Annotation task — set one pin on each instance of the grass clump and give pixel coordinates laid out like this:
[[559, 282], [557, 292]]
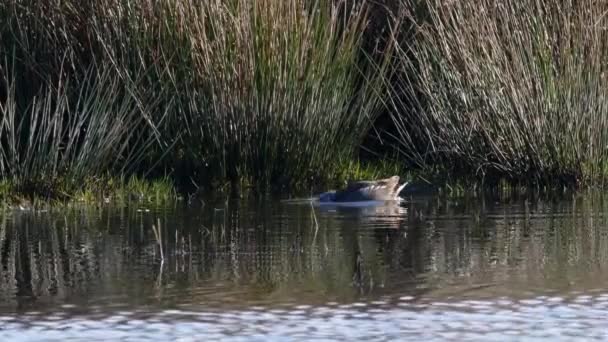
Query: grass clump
[[280, 93], [65, 116], [68, 132], [264, 92], [512, 90]]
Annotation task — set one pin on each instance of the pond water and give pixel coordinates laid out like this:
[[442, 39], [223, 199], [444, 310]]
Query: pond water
[[429, 268]]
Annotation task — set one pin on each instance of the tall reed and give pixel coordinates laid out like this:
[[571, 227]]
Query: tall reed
[[270, 91], [279, 89], [512, 89], [71, 131], [64, 115]]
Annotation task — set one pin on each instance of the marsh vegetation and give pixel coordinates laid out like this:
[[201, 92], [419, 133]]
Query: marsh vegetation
[[284, 93], [513, 90]]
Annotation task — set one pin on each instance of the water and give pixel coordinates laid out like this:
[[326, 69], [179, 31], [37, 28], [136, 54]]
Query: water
[[430, 268]]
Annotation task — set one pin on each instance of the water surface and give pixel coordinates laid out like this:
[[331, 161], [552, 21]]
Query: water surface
[[429, 268]]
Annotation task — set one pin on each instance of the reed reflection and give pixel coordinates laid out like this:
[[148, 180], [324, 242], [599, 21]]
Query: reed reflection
[[270, 253]]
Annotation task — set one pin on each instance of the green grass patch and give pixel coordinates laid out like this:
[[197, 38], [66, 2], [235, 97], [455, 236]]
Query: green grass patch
[[353, 169], [93, 191]]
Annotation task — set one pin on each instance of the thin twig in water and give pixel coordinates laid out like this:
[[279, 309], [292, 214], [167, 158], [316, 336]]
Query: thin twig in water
[[314, 216], [159, 239]]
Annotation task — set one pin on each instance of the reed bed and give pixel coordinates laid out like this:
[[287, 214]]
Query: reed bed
[[512, 89], [67, 114], [272, 92], [283, 93]]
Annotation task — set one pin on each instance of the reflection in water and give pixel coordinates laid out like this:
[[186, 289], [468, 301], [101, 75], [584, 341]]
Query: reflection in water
[[280, 265]]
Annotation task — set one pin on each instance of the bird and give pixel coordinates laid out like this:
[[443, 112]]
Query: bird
[[387, 189]]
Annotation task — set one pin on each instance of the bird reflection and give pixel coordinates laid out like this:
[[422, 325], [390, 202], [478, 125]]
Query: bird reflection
[[389, 214]]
